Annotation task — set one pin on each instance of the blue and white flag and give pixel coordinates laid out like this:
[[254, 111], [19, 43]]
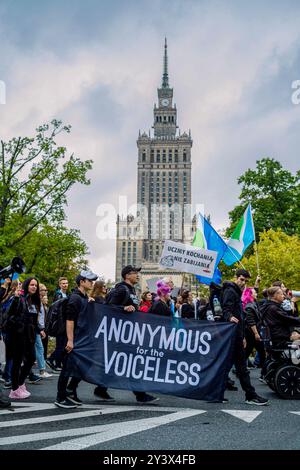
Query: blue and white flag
[[241, 238], [206, 237]]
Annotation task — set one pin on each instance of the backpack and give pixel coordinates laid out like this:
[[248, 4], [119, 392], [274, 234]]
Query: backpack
[[112, 293], [4, 314], [56, 318]]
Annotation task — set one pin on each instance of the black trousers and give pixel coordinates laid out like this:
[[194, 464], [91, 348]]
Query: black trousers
[[20, 349], [240, 363], [58, 354], [258, 345], [64, 380]]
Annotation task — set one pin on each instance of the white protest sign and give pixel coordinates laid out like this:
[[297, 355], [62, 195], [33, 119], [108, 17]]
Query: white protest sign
[[188, 259]]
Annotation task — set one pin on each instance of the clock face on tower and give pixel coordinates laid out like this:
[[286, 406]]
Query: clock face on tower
[[165, 102]]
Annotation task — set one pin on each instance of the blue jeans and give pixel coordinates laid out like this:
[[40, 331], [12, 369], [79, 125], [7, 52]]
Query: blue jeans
[[39, 352]]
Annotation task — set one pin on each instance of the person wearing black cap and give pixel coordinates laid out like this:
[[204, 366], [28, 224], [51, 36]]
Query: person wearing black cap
[[124, 292], [124, 295], [66, 393]]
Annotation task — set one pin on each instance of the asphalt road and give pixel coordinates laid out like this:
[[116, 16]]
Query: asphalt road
[[171, 423]]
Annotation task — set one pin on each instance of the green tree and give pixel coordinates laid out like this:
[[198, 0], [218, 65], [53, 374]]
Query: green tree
[[274, 194], [279, 259], [53, 252], [35, 176]]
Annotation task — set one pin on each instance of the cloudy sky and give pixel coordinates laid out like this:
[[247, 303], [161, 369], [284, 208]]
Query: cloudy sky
[[96, 64]]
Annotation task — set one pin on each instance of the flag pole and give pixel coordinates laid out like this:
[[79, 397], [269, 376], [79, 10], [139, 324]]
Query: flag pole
[[256, 254], [255, 245], [182, 283]]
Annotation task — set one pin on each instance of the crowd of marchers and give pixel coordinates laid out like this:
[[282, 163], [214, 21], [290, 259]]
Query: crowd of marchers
[[25, 315]]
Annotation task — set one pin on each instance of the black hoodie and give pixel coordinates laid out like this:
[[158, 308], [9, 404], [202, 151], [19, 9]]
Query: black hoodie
[[232, 305], [280, 324], [123, 294]]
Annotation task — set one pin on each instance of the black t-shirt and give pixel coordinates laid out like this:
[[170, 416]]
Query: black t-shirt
[[77, 301]]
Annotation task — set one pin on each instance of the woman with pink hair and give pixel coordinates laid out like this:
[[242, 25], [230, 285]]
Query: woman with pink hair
[[161, 303], [253, 324]]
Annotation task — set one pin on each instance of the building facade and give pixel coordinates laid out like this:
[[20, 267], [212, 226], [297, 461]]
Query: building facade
[[163, 191]]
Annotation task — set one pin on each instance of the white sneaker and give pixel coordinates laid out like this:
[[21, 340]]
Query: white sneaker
[[45, 375]]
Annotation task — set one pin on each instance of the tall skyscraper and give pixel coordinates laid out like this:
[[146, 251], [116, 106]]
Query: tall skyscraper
[[163, 190]]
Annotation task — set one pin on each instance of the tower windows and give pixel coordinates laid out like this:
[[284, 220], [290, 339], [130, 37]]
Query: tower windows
[[176, 155], [164, 156], [170, 155], [158, 156]]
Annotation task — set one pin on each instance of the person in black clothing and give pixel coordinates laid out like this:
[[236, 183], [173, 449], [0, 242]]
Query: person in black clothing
[[124, 295], [187, 308], [99, 292], [4, 289], [55, 360], [233, 312], [67, 393], [283, 328], [22, 327], [161, 306], [253, 324]]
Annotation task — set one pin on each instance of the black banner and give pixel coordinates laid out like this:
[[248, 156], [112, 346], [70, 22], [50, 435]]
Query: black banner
[[146, 352]]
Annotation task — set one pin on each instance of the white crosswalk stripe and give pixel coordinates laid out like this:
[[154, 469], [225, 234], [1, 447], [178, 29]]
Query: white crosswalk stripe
[[29, 407], [63, 417], [125, 428], [103, 432], [92, 430], [246, 415]]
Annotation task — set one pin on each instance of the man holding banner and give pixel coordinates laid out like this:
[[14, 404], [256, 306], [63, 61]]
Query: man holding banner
[[67, 397], [233, 312], [124, 295]]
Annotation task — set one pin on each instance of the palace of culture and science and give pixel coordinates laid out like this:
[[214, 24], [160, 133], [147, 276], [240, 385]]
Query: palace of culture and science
[[163, 192]]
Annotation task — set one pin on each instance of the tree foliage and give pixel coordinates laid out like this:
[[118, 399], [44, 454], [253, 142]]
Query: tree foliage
[[34, 182], [279, 259], [274, 194], [36, 175], [52, 252]]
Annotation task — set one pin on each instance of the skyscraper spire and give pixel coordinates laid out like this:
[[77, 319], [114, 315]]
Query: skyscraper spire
[[165, 80]]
